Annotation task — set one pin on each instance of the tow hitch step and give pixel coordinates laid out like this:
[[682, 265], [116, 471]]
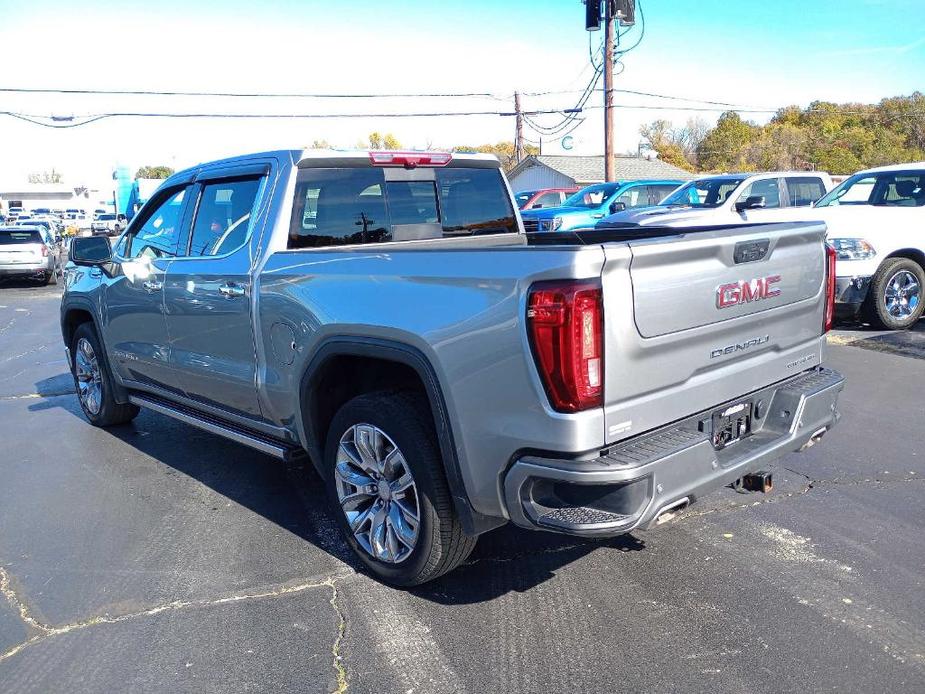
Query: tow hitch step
[[761, 481]]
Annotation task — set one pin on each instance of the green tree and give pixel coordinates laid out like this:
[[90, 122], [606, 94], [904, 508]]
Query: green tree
[[725, 147], [154, 172]]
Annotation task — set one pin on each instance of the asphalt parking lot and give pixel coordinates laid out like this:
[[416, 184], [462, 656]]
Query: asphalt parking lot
[[156, 557]]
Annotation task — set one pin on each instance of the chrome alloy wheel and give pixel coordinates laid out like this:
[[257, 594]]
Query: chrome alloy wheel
[[89, 377], [377, 493], [902, 294]]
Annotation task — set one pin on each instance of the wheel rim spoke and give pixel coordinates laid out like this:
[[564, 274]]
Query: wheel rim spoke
[[901, 295], [352, 475], [404, 531], [377, 493], [367, 441], [89, 377], [402, 483]]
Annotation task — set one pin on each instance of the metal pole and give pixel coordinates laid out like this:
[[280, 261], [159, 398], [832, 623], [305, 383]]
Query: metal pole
[[518, 130], [610, 163]]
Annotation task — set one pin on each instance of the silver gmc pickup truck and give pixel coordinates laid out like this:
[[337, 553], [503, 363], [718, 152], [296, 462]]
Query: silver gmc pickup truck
[[384, 314]]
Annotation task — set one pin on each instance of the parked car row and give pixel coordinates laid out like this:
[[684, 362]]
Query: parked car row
[[78, 218], [874, 221]]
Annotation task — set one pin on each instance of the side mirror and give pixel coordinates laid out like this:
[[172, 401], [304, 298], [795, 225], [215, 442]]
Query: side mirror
[[617, 207], [90, 250], [752, 202]]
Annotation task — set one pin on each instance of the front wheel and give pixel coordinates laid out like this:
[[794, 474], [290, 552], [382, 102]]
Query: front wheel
[[894, 301], [94, 381], [386, 482]]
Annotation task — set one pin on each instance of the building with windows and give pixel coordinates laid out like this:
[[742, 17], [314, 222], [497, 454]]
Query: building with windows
[[30, 196], [567, 171]]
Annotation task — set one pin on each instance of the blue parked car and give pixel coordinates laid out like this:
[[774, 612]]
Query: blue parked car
[[583, 209]]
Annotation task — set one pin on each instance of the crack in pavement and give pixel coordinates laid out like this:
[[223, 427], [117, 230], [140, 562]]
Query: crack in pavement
[[338, 662], [33, 350], [46, 631], [18, 605], [811, 484]]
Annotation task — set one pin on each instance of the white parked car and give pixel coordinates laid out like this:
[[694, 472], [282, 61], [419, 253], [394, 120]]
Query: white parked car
[[728, 199], [108, 223], [876, 222]]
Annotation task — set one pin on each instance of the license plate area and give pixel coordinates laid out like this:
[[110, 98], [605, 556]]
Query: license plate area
[[731, 424]]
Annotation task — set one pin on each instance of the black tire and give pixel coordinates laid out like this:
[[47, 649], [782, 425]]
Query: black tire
[[406, 419], [110, 412], [875, 305]]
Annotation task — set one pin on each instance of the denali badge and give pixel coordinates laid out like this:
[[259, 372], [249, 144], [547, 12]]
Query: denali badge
[[739, 346], [746, 291]]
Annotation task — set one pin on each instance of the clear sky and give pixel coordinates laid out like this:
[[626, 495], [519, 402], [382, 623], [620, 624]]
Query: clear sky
[[759, 54]]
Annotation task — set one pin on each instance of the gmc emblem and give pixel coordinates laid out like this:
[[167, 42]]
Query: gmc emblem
[[747, 291]]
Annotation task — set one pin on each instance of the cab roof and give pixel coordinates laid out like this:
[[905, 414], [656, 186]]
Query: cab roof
[[911, 166]]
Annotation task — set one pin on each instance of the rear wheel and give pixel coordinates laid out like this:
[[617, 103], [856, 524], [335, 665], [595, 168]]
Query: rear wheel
[[894, 301], [94, 381], [386, 482]]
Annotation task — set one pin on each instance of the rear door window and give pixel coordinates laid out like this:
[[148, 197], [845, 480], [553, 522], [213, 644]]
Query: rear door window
[[224, 216], [803, 191]]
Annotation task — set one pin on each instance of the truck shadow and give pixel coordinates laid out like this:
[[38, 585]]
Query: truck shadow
[[292, 496]]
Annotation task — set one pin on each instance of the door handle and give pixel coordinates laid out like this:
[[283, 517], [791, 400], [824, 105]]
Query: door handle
[[231, 290], [152, 285]]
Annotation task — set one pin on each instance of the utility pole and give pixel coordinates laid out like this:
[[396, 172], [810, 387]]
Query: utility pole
[[610, 162], [518, 130]]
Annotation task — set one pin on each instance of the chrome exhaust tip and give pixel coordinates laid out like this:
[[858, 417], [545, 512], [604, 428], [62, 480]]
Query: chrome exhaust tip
[[669, 511], [814, 439]]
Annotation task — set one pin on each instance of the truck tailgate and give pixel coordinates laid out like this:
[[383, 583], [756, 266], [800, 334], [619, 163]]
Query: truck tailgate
[[696, 320]]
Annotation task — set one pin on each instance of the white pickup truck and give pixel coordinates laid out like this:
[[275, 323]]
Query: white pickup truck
[[876, 221], [731, 198]]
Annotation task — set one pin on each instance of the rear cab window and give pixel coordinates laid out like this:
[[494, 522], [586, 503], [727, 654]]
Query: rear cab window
[[348, 206]]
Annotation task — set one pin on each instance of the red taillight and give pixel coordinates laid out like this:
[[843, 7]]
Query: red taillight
[[566, 326], [830, 256], [44, 251], [409, 159]]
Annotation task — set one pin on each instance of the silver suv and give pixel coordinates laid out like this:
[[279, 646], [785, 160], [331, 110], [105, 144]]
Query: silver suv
[[29, 251]]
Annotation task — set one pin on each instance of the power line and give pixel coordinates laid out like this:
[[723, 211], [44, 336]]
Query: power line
[[245, 95], [302, 95], [61, 122]]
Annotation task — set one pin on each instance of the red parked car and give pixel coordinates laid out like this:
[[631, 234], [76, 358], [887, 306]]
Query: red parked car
[[544, 197]]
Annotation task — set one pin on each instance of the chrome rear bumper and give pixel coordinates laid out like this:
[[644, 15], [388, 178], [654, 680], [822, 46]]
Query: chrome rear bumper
[[630, 485]]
